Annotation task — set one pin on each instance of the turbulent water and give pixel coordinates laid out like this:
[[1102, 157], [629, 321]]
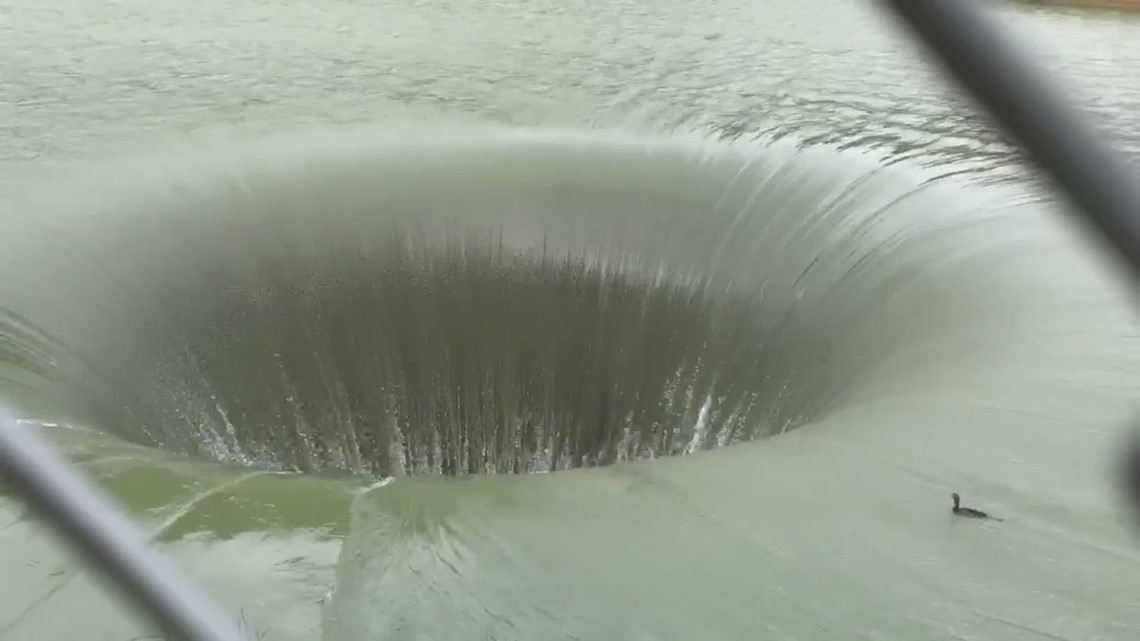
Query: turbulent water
[[259, 258]]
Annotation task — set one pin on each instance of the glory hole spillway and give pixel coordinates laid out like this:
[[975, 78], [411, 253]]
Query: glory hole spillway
[[326, 369]]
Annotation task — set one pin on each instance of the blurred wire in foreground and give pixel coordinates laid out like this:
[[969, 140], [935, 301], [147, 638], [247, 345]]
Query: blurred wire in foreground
[[971, 47], [101, 531]]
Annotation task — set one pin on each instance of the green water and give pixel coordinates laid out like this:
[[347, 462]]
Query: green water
[[752, 286]]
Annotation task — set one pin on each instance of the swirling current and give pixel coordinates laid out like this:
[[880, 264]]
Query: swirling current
[[781, 339]]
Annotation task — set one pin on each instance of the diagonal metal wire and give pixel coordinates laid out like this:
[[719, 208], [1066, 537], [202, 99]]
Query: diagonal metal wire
[[971, 47], [102, 532], [1106, 192]]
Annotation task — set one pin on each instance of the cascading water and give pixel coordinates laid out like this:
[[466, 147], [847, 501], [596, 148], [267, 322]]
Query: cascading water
[[479, 302]]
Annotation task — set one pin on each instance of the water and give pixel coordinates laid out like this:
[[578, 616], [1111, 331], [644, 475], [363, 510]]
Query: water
[[259, 256]]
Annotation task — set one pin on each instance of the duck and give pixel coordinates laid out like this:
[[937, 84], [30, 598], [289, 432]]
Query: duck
[[969, 512]]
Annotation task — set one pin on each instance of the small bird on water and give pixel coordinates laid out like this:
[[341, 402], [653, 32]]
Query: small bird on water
[[969, 511]]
